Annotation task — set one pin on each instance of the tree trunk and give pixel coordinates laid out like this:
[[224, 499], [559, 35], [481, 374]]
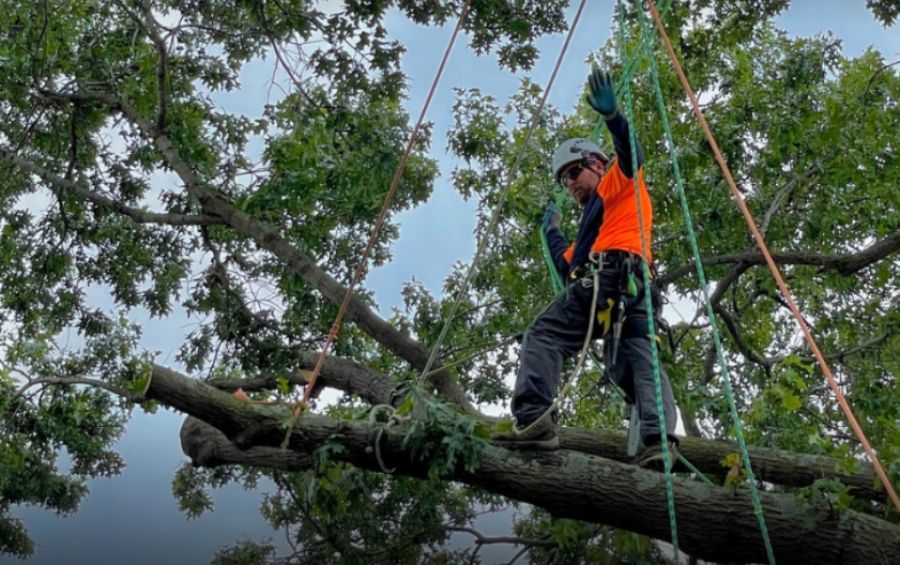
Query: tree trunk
[[713, 523]]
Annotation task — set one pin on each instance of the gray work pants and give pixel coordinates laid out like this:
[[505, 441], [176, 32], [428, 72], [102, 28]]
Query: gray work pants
[[558, 334]]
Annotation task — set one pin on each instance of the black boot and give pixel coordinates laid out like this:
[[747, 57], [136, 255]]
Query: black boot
[[651, 457]]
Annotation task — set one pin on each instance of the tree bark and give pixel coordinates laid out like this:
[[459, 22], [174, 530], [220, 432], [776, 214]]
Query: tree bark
[[846, 264], [713, 523], [770, 465]]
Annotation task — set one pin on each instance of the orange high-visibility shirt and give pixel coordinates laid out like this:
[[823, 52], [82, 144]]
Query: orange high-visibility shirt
[[620, 229]]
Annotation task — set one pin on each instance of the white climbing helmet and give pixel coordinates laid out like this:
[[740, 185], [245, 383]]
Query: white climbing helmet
[[572, 150]]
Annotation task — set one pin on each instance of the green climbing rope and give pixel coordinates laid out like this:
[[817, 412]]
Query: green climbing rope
[[679, 182], [648, 302], [555, 279], [695, 470], [627, 71]]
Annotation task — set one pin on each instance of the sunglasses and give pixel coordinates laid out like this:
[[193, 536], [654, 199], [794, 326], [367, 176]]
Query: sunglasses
[[572, 173]]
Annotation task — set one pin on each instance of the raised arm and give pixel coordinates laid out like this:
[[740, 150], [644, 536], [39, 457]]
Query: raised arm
[[602, 99]]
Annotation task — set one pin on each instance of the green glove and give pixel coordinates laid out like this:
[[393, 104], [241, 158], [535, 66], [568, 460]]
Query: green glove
[[603, 94], [552, 217]]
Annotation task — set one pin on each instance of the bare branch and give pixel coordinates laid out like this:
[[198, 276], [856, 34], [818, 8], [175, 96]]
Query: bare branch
[[61, 186], [846, 264], [126, 394], [725, 283], [883, 68], [518, 555], [337, 373], [149, 24], [742, 346], [785, 194], [256, 320], [482, 539]]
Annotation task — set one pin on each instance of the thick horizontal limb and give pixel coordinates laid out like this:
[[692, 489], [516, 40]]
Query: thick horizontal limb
[[770, 465], [714, 523]]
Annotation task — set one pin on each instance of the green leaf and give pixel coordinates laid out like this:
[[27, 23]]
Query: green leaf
[[791, 401]]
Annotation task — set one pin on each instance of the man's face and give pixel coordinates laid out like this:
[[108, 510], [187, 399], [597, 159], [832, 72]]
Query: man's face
[[580, 180]]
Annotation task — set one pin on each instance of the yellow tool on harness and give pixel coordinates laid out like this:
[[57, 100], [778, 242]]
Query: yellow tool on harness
[[604, 317]]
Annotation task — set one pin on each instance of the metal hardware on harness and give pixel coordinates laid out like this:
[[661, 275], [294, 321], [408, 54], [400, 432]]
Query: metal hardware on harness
[[625, 287], [634, 431], [617, 331], [586, 273]]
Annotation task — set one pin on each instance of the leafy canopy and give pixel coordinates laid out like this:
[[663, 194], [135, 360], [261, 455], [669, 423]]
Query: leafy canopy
[[90, 209]]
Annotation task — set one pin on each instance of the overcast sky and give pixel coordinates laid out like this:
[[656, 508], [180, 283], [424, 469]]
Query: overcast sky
[[133, 518]]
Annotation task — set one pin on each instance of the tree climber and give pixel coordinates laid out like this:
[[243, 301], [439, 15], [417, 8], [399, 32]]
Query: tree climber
[[608, 241]]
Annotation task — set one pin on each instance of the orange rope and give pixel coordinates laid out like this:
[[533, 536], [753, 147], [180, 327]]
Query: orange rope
[[760, 242], [335, 327]]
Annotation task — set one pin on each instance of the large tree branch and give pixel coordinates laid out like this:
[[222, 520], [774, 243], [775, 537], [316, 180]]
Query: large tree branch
[[714, 523], [60, 186], [268, 238], [771, 465], [846, 264], [337, 373]]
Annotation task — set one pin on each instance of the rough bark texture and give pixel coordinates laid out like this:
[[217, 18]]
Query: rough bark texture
[[770, 465], [714, 523], [336, 373]]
